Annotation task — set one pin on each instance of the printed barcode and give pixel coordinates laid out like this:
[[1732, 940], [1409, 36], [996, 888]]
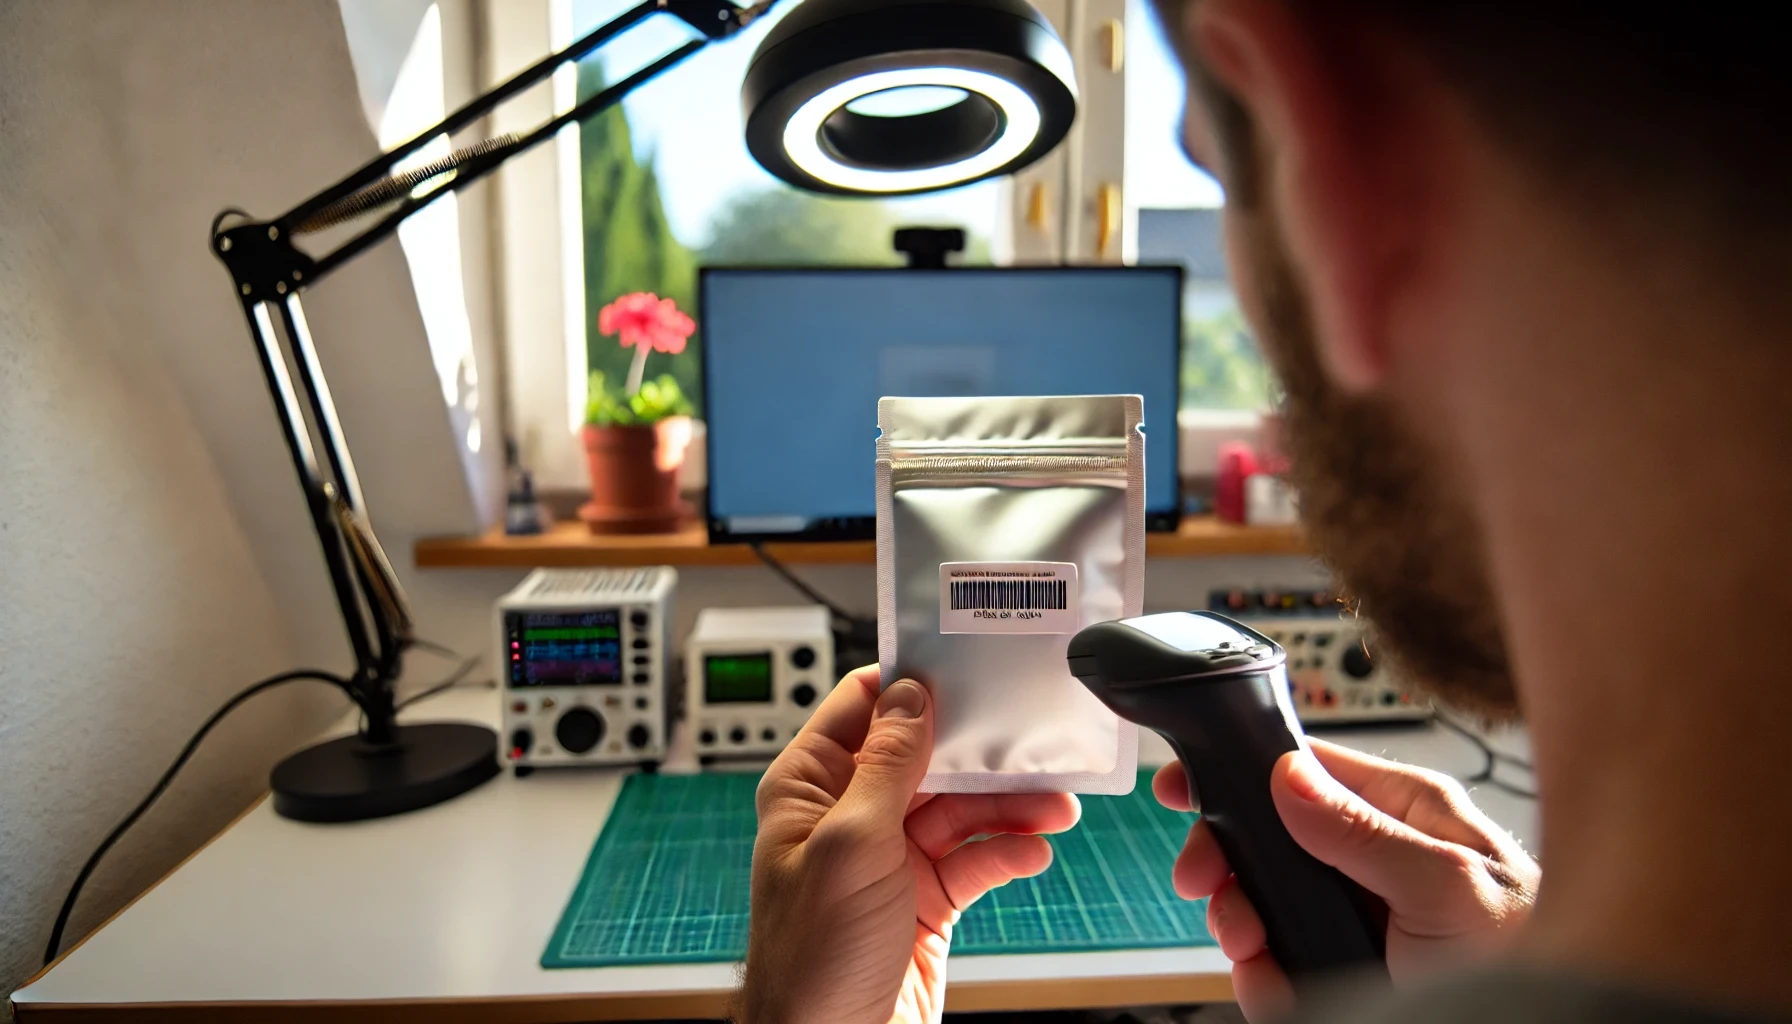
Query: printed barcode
[[1010, 595]]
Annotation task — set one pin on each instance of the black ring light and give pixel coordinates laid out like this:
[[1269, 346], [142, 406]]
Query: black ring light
[[1019, 102]]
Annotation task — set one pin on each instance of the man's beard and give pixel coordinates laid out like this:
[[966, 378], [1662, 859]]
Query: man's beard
[[1401, 541]]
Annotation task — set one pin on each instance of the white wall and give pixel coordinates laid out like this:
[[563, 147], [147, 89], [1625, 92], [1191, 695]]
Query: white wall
[[130, 602], [255, 104], [154, 553]]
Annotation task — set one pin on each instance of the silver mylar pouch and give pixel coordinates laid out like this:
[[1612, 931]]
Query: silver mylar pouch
[[1004, 526]]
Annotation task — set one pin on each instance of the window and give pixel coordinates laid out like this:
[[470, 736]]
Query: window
[[411, 98], [667, 186], [1174, 206], [663, 184]]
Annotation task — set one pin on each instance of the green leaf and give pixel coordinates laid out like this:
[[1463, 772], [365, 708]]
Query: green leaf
[[658, 399], [606, 406]]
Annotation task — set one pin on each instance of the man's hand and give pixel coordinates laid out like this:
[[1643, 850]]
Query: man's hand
[[1456, 885], [857, 880]]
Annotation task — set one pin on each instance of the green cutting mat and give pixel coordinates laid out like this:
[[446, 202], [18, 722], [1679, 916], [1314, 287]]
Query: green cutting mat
[[667, 882]]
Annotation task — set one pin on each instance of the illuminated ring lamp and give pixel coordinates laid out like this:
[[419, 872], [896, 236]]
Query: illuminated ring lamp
[[890, 97]]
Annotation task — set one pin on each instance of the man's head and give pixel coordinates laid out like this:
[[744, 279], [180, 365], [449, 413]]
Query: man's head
[[1376, 154]]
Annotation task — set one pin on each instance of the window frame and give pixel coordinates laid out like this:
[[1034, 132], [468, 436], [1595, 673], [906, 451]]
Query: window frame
[[1067, 208]]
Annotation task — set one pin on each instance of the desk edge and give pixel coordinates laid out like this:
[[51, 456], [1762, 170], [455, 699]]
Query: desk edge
[[1008, 995], [39, 974]]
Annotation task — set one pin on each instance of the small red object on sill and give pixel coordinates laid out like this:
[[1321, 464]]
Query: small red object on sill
[[1236, 462]]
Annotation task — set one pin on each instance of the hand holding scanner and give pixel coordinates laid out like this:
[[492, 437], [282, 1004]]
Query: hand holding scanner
[[1217, 691]]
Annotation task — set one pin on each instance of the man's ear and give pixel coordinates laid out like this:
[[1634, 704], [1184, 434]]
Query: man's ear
[[1342, 151]]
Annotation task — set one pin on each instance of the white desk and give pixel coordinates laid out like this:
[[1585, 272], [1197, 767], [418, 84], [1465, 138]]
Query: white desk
[[443, 914]]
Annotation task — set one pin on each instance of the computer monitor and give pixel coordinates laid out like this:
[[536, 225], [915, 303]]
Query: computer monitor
[[794, 361]]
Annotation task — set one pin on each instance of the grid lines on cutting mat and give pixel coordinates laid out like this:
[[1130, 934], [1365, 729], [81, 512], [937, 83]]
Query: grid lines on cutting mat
[[667, 882]]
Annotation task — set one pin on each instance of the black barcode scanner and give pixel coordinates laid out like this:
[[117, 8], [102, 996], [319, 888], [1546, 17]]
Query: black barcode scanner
[[1218, 692]]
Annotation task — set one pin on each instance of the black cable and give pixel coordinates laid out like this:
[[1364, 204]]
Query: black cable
[[1491, 759], [434, 648], [807, 591], [441, 688], [854, 636], [453, 680], [74, 892], [1486, 748], [218, 221]]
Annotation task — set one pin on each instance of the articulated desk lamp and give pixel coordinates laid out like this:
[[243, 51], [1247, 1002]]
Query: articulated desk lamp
[[1018, 100]]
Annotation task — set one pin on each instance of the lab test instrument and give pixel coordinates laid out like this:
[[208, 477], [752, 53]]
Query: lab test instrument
[[753, 676], [586, 657]]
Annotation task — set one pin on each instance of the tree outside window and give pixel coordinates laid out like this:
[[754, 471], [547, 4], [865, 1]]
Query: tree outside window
[[668, 186], [1178, 221]]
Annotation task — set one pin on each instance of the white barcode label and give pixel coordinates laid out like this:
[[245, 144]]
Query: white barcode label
[[1009, 597]]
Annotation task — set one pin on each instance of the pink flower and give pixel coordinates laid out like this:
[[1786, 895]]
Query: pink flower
[[643, 318]]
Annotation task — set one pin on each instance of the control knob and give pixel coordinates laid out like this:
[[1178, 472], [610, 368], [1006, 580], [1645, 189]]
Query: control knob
[[1356, 663], [579, 730]]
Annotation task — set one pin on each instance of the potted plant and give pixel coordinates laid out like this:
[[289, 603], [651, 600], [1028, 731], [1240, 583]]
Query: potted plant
[[636, 435]]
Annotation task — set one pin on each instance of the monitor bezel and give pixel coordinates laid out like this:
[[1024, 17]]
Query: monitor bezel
[[860, 528]]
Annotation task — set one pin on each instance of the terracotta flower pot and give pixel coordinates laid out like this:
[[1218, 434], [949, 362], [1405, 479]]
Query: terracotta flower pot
[[634, 477]]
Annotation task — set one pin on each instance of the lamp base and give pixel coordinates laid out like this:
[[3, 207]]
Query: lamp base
[[349, 779]]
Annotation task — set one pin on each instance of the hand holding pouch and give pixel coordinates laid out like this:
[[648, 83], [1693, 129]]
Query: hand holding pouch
[[1004, 526]]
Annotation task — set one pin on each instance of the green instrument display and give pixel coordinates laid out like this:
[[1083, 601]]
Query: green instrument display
[[737, 678]]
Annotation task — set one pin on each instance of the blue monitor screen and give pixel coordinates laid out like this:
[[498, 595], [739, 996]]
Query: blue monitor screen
[[796, 359]]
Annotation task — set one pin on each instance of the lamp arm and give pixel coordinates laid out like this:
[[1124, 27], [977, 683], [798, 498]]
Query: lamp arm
[[269, 271], [478, 165], [263, 254], [713, 19]]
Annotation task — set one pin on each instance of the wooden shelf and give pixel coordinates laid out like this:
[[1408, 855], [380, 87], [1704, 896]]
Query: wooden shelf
[[571, 545]]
